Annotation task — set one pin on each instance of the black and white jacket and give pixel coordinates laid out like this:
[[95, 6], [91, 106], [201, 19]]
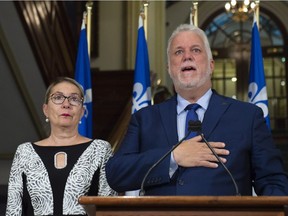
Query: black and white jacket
[[26, 161]]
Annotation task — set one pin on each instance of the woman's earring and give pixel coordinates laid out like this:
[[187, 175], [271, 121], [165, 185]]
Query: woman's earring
[[47, 120], [80, 122]]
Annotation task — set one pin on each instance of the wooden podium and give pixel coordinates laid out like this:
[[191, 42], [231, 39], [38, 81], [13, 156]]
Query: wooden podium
[[185, 205]]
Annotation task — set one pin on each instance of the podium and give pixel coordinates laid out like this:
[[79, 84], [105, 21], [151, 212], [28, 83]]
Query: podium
[[185, 205]]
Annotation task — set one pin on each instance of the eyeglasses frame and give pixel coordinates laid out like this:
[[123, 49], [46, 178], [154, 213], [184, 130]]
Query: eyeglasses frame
[[66, 97]]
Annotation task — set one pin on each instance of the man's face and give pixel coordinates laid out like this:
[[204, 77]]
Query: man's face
[[188, 62]]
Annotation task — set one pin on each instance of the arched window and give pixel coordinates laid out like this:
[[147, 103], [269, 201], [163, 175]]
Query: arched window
[[230, 39]]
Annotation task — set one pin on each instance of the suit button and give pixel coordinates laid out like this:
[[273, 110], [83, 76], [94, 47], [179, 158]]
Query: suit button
[[181, 182]]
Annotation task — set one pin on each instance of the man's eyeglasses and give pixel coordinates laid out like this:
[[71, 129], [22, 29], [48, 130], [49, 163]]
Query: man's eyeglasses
[[73, 100]]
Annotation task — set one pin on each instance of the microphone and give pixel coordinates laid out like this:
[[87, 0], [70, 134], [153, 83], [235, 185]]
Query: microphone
[[191, 128], [197, 126]]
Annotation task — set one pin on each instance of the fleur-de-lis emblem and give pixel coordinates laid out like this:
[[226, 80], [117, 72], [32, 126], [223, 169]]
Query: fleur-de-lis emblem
[[87, 99], [260, 99], [86, 112], [141, 98]]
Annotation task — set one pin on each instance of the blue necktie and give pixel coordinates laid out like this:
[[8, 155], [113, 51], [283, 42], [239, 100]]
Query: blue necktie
[[191, 116]]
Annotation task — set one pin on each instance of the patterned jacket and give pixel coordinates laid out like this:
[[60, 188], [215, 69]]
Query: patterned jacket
[[26, 161]]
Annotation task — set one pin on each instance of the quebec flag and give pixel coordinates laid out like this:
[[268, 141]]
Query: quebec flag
[[141, 96], [83, 76], [257, 93]]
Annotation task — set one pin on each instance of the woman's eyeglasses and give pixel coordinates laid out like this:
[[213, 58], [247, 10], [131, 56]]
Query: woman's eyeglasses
[[73, 100]]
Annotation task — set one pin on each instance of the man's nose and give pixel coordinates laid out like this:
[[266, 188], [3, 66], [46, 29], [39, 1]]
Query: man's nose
[[188, 56]]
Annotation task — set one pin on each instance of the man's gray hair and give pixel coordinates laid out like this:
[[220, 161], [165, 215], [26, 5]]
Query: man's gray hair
[[192, 28]]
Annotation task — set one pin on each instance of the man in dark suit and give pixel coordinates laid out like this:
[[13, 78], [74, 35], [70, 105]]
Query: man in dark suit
[[235, 130]]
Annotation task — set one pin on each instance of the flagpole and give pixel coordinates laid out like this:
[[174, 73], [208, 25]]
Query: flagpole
[[145, 15], [88, 20], [195, 13], [257, 11], [191, 16]]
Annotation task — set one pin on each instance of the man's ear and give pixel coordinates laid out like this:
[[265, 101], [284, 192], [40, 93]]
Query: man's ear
[[212, 66]]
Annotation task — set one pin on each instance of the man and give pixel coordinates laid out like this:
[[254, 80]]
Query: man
[[235, 130]]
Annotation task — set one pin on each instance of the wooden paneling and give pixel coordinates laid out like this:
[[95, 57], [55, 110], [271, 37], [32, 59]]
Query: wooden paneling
[[49, 32], [112, 91]]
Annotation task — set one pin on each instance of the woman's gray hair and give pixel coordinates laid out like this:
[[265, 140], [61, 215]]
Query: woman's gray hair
[[196, 30], [60, 80]]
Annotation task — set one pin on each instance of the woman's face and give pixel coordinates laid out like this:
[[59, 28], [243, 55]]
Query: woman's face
[[64, 107]]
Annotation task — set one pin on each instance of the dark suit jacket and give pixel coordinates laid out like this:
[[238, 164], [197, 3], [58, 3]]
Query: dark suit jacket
[[253, 159]]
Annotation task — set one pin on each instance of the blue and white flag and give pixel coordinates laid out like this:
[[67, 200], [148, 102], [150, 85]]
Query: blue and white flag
[[257, 93], [141, 96], [83, 76], [142, 88]]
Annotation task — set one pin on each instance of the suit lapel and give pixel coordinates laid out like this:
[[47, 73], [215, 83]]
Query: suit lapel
[[168, 115], [217, 107]]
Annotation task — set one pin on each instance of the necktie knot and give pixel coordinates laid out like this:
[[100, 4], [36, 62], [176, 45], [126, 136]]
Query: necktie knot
[[193, 107]]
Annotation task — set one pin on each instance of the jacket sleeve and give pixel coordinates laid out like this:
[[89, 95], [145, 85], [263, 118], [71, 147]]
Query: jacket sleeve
[[269, 176], [104, 188], [15, 186], [144, 143]]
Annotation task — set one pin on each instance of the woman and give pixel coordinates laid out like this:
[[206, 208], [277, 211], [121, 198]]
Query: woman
[[47, 177]]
